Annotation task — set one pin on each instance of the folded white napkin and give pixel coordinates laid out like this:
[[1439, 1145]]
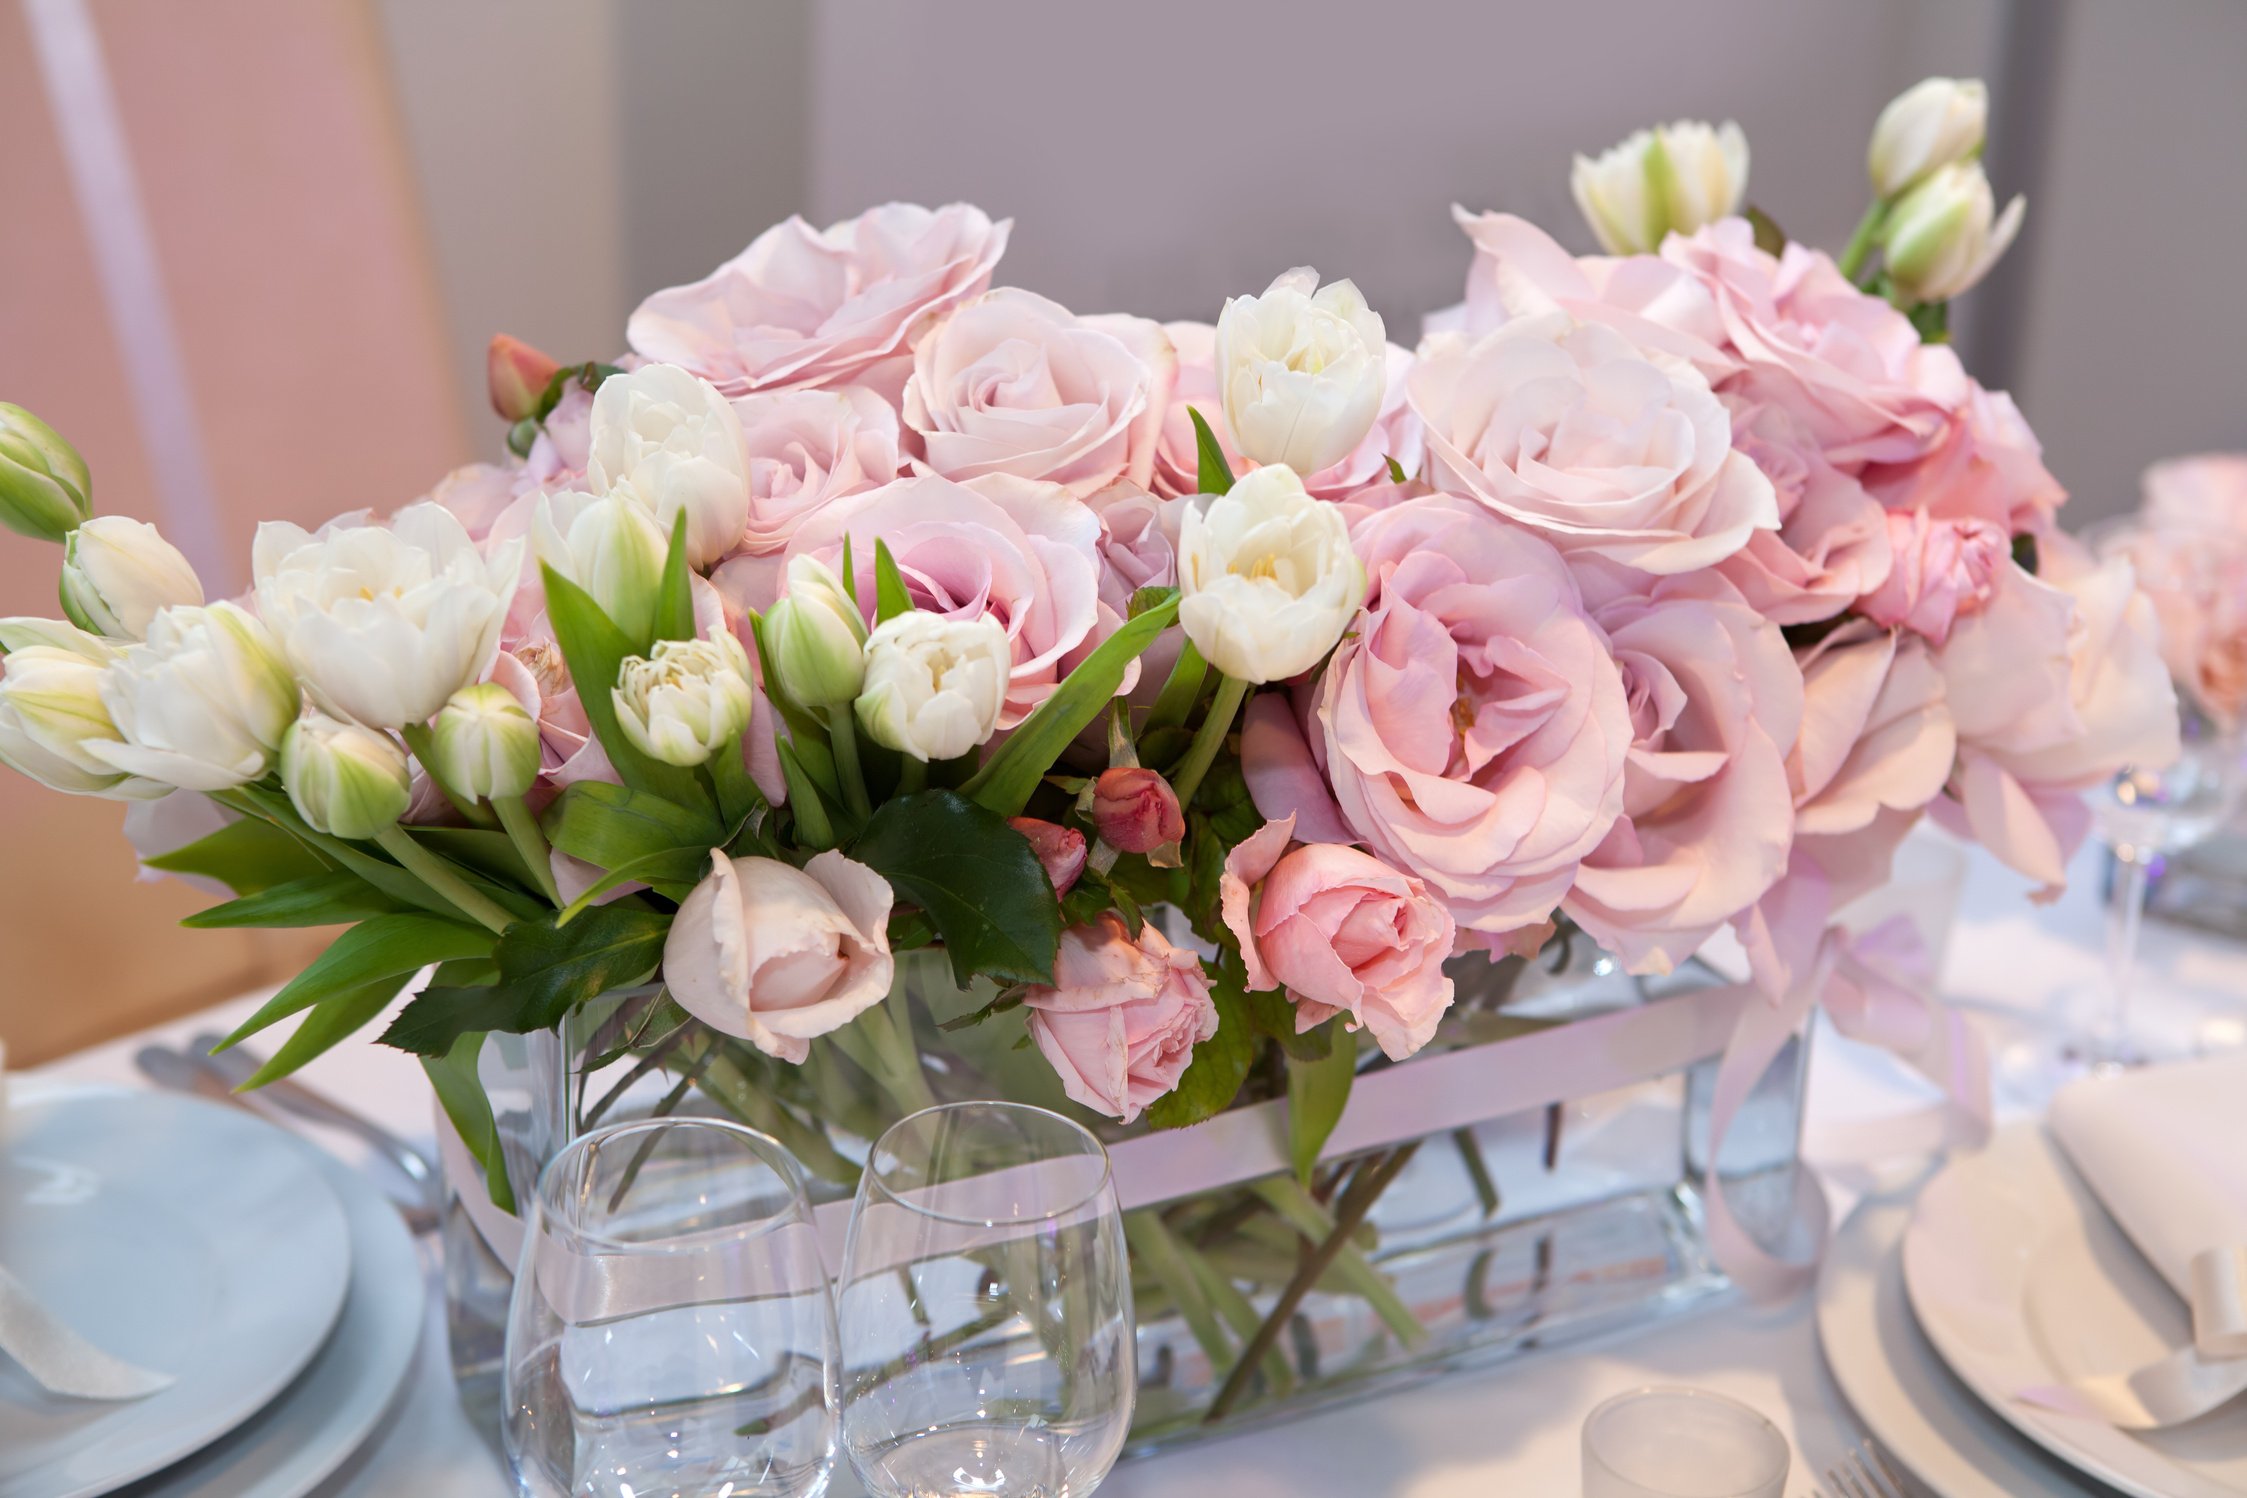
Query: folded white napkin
[[2160, 1148]]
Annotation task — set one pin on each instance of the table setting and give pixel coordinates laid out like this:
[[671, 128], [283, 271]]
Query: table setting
[[934, 895]]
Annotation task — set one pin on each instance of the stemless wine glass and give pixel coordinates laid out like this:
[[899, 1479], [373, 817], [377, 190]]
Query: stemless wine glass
[[1681, 1443], [985, 1309], [2196, 580], [672, 1330]]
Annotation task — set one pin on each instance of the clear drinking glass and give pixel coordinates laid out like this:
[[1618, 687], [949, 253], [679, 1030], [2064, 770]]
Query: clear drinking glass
[[1681, 1443], [985, 1309], [672, 1330]]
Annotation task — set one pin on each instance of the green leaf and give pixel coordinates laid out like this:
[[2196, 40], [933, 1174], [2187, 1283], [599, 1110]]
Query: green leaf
[[1220, 1064], [461, 1093], [554, 969], [336, 1017], [611, 826], [595, 651], [1397, 475], [890, 597], [674, 598], [975, 877], [246, 856], [850, 571], [673, 867], [379, 872], [2024, 552], [815, 824], [1274, 1017], [1143, 599], [1181, 690], [1932, 321], [1215, 475], [1008, 777], [1769, 237], [384, 947], [478, 849], [436, 1019], [1317, 1092], [333, 899]]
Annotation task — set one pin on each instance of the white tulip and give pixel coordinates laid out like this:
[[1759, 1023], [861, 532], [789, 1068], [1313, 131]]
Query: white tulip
[[1671, 178], [610, 548], [51, 713], [202, 704], [1300, 370], [674, 444], [44, 487], [685, 700], [1268, 579], [117, 572], [1931, 124], [344, 780], [21, 633], [1941, 239], [385, 622], [817, 636], [485, 743], [934, 686]]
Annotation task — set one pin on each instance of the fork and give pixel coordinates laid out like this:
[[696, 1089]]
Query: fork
[[1864, 1473]]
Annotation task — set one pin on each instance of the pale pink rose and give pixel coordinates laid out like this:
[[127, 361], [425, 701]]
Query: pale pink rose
[[1120, 1024], [777, 955], [1942, 570], [1472, 722], [2206, 492], [1876, 732], [1024, 553], [1716, 702], [1343, 933], [1571, 429], [1985, 464], [1012, 383], [2196, 578], [1060, 849], [803, 308], [1832, 542], [565, 442], [1849, 364], [1138, 542], [1395, 432], [480, 493], [2055, 685], [808, 448]]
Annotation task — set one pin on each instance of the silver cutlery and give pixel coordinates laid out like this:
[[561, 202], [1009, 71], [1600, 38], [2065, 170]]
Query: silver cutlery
[[1864, 1473]]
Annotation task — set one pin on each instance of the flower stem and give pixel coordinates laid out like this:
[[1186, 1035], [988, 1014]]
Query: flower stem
[[912, 775], [432, 871], [842, 735], [1208, 738], [522, 830], [1861, 243]]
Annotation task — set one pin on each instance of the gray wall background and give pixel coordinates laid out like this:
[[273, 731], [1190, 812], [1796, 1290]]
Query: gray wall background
[[1161, 154]]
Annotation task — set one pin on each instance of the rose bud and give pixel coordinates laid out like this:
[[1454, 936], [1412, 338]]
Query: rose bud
[[517, 376], [1136, 810], [1061, 849]]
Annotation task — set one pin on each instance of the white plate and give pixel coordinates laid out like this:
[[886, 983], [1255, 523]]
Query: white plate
[[180, 1235], [1921, 1417], [293, 1444], [2020, 1279]]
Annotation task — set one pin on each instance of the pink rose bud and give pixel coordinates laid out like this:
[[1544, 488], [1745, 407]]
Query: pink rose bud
[[1943, 569], [1060, 849], [1136, 810], [517, 375]]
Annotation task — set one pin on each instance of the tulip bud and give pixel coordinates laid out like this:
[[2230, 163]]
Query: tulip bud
[[517, 376], [1136, 810], [934, 686], [611, 548], [50, 713], [1061, 849], [344, 780], [1930, 125], [485, 744], [1301, 370], [686, 700], [817, 637], [45, 490], [117, 572], [1671, 178], [1940, 239]]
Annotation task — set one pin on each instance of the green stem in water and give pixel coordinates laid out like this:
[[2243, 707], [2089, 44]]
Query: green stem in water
[[1861, 243], [433, 871], [522, 830], [1209, 738], [842, 736]]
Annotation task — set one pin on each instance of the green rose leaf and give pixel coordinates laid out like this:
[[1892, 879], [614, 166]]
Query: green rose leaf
[[1317, 1092], [976, 878], [611, 826], [545, 971]]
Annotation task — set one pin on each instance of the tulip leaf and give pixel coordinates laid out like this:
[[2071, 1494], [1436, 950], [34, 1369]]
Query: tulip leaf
[[1215, 474], [387, 946], [1012, 773], [672, 872], [247, 856], [1317, 1092], [595, 651], [334, 899], [482, 850], [610, 826], [809, 734], [674, 599], [1220, 1064], [975, 878], [337, 1017], [460, 1091], [850, 571], [1181, 690], [545, 971], [890, 597], [815, 825]]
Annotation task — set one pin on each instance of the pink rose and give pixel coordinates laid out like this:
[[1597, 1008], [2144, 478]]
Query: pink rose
[[1012, 383], [803, 308], [1942, 569], [1395, 432], [1849, 364], [564, 445], [1121, 1022], [1985, 464], [808, 448], [1876, 732], [1572, 430], [2055, 685], [1716, 702], [2207, 492], [1343, 932], [1832, 542], [2196, 578], [1135, 809], [480, 493], [777, 955], [1472, 723], [1061, 849], [1138, 542]]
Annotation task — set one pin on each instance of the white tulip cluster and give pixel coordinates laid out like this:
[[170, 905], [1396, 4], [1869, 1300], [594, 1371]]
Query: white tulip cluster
[[1941, 230], [1671, 179]]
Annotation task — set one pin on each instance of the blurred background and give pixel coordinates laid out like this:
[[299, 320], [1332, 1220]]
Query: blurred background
[[254, 248]]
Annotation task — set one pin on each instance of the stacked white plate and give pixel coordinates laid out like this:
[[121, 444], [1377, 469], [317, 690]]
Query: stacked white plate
[[2006, 1274], [278, 1287]]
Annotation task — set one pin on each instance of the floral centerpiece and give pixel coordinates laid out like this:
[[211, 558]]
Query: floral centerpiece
[[878, 685]]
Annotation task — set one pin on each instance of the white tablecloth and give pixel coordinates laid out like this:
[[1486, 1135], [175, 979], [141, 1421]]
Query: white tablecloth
[[2022, 970]]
